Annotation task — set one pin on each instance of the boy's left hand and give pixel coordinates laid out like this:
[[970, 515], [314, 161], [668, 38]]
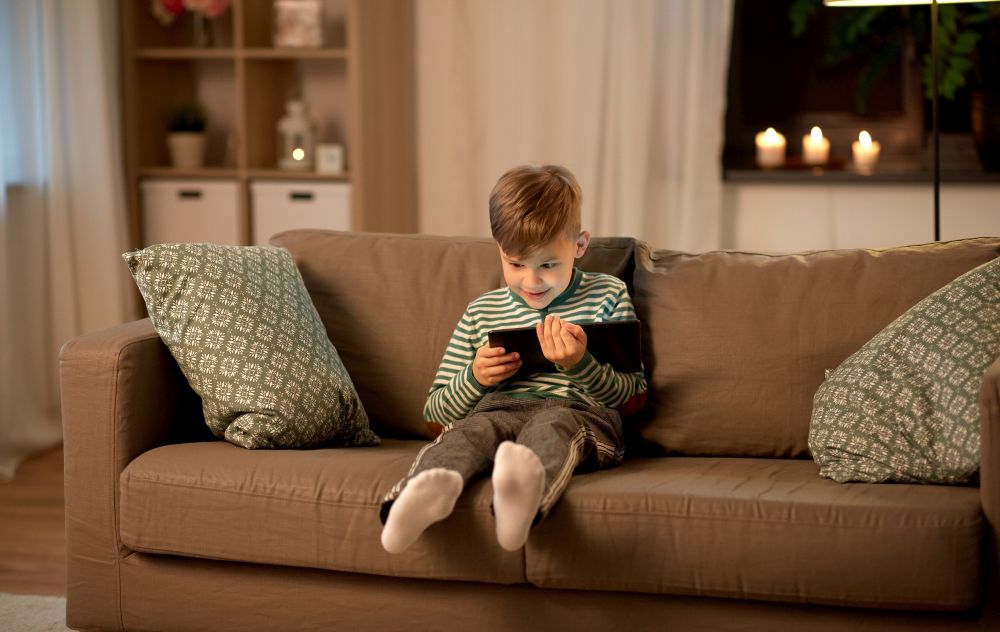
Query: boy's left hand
[[563, 343]]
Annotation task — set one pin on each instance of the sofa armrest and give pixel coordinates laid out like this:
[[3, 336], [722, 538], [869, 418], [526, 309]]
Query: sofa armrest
[[989, 483], [989, 465], [121, 394]]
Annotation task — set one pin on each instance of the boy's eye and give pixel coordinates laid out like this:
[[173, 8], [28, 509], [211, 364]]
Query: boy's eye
[[549, 266], [514, 264]]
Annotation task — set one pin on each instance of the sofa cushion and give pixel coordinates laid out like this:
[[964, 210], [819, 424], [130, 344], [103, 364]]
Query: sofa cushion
[[737, 343], [767, 529], [244, 332], [391, 302], [905, 407], [316, 508]]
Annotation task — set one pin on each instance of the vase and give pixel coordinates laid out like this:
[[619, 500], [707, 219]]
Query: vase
[[187, 149], [985, 117], [201, 34]]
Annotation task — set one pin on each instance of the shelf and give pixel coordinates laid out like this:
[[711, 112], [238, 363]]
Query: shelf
[[295, 53], [251, 174], [280, 174], [243, 82], [171, 172], [185, 53]]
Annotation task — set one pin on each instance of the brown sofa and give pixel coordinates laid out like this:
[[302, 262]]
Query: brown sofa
[[717, 520]]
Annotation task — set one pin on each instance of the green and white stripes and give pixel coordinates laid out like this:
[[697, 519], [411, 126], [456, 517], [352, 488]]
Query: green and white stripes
[[590, 297]]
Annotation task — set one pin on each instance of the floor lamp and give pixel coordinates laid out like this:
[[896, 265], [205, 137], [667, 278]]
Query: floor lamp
[[934, 87]]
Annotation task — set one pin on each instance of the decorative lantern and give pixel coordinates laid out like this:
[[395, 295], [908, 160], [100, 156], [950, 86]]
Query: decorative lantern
[[296, 132]]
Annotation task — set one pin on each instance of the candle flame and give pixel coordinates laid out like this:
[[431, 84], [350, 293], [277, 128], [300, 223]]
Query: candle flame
[[770, 135], [865, 139], [298, 153], [816, 133]]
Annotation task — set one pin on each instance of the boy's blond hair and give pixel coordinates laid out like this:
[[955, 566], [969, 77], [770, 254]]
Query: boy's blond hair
[[531, 206]]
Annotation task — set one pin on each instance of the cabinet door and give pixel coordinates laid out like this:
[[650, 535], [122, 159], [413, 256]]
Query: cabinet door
[[190, 211], [280, 206]]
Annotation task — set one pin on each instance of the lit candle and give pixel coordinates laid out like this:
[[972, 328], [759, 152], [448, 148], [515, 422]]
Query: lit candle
[[770, 148], [865, 151], [815, 148]]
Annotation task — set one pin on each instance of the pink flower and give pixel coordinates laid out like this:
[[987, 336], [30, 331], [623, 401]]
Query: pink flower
[[166, 11]]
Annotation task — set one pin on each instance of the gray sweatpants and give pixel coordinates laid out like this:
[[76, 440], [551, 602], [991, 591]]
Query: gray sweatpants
[[567, 436]]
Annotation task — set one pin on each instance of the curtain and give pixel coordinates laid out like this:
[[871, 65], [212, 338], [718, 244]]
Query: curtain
[[629, 95], [62, 205]]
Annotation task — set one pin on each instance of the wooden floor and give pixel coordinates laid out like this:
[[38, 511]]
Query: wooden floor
[[32, 542]]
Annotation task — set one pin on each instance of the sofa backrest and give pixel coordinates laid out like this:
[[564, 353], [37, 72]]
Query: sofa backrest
[[391, 302], [737, 343]]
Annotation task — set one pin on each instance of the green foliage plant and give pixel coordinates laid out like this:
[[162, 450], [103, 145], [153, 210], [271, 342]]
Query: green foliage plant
[[187, 117], [878, 36]]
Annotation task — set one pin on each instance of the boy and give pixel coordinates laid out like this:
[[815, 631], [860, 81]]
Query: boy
[[538, 429]]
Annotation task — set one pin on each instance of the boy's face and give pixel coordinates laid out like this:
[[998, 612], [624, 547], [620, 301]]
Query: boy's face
[[544, 273]]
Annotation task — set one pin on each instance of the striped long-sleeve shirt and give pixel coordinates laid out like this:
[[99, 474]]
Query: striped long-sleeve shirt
[[591, 297]]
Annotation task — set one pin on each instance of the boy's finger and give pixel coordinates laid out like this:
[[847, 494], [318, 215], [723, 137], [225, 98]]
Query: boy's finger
[[504, 359], [567, 337], [555, 338], [494, 353], [511, 369], [503, 370]]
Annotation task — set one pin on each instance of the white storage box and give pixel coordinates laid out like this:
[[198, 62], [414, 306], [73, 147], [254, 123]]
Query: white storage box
[[278, 206], [190, 211]]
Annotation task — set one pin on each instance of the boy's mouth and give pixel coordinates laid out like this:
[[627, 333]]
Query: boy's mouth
[[535, 295]]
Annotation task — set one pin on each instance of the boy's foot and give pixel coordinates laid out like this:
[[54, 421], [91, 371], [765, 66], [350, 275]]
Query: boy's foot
[[518, 483], [429, 497]]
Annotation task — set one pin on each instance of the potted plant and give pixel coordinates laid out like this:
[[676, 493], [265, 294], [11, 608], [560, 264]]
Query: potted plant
[[186, 137]]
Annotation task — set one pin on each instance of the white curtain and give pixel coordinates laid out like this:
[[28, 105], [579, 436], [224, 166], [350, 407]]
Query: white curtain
[[630, 95], [62, 208]]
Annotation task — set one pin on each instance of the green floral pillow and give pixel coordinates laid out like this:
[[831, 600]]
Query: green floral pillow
[[904, 408], [246, 335]]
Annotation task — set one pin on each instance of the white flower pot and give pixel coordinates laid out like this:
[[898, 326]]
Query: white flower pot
[[187, 149]]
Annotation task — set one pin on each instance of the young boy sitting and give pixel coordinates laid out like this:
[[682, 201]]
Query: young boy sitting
[[537, 430]]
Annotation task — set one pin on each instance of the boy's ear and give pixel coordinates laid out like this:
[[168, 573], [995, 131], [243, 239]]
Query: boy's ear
[[581, 243]]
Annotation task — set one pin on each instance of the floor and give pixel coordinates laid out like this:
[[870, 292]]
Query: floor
[[32, 533]]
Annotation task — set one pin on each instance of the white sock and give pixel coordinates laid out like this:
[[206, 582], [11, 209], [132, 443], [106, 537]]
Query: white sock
[[518, 483], [429, 497]]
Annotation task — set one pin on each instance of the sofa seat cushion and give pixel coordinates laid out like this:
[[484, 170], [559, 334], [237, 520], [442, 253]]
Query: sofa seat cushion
[[768, 529], [315, 508]]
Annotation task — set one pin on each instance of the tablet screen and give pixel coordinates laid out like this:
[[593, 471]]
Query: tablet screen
[[616, 342]]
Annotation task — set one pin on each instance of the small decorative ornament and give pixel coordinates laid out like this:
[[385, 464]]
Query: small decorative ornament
[[330, 158], [296, 131], [298, 24]]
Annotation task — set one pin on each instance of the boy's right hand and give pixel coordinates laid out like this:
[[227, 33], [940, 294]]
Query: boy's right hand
[[492, 365]]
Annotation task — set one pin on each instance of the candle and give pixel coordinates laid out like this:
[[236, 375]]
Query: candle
[[865, 152], [815, 148], [770, 148]]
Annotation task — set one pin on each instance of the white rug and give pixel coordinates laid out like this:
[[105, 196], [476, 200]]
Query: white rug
[[28, 613]]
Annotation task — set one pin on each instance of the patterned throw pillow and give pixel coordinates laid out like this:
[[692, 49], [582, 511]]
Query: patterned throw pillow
[[904, 407], [246, 335]]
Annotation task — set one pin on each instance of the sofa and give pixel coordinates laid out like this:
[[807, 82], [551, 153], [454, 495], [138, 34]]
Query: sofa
[[717, 519]]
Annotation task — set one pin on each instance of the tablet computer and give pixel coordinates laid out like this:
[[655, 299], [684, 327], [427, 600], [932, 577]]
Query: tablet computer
[[615, 342]]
